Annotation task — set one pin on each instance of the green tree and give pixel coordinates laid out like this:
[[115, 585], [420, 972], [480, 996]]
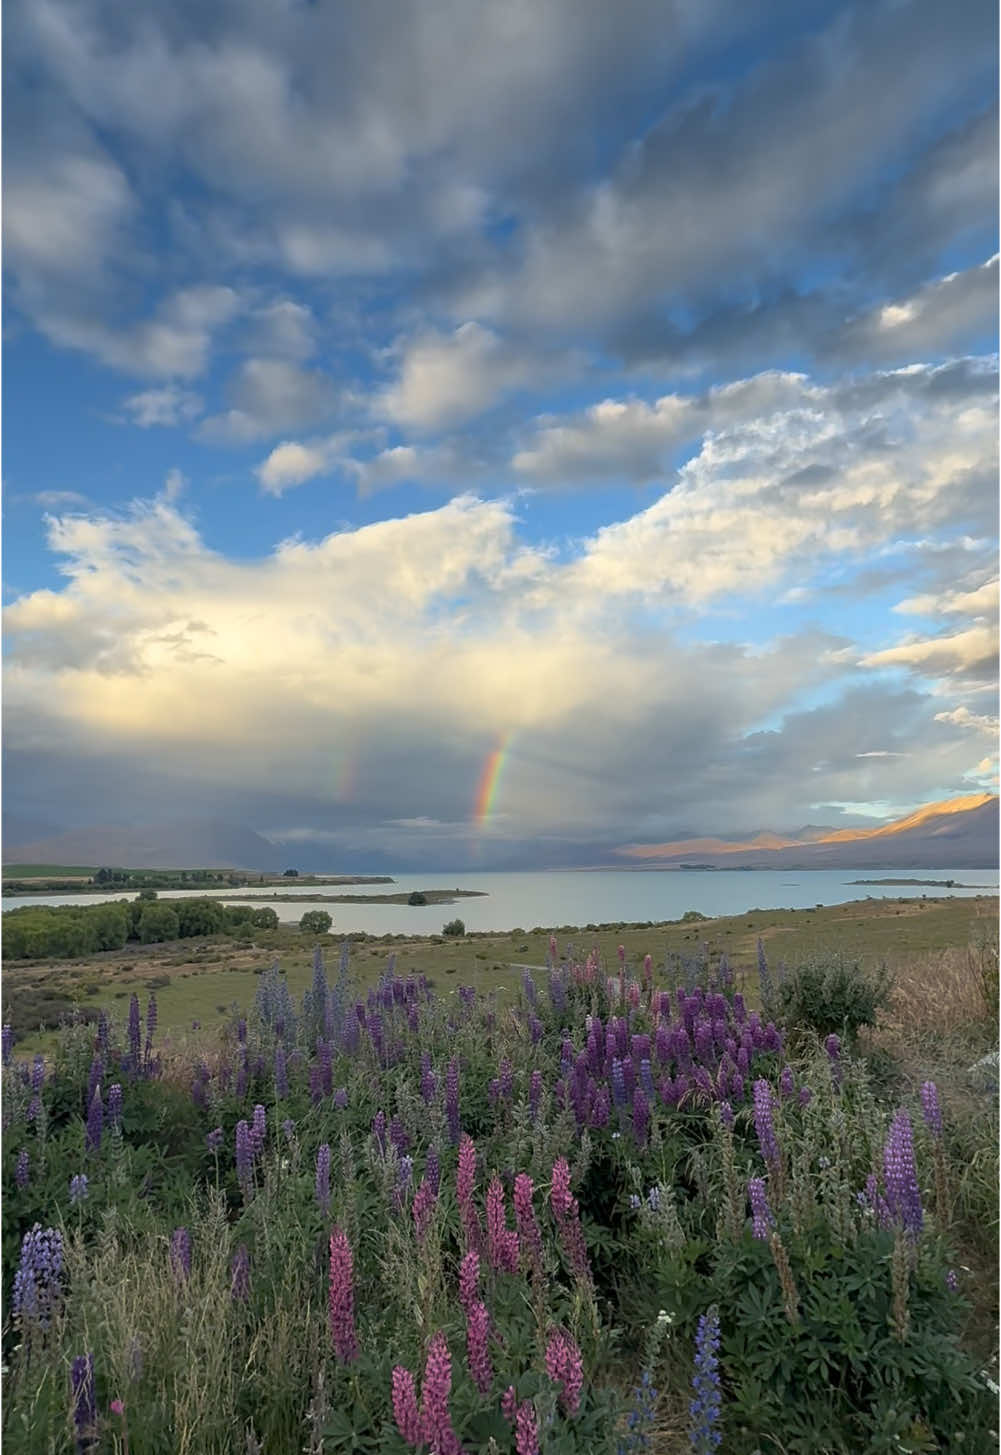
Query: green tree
[[111, 925], [417, 898], [158, 922], [147, 894], [315, 922], [265, 919], [291, 874], [454, 928], [200, 917]]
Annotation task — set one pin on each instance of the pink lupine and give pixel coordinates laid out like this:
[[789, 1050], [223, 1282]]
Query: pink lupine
[[565, 1367], [509, 1404], [567, 1215], [477, 1334], [526, 1430], [469, 1279], [341, 1308], [528, 1227], [436, 1423], [408, 1418], [422, 1209], [502, 1245]]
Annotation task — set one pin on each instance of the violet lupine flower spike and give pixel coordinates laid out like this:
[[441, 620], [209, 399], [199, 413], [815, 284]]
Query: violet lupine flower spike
[[180, 1254], [930, 1109], [341, 1298], [478, 1354], [902, 1191], [84, 1402], [704, 1409], [760, 1210], [567, 1215], [36, 1282]]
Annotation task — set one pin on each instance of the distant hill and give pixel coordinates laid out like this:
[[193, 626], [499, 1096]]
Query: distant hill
[[188, 843], [959, 833]]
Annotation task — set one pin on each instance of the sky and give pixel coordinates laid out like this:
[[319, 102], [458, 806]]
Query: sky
[[489, 435]]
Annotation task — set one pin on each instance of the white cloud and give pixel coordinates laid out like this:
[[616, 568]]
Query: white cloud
[[269, 397], [293, 464], [166, 407], [445, 379]]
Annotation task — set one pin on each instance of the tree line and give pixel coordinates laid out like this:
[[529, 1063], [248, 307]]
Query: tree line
[[36, 932]]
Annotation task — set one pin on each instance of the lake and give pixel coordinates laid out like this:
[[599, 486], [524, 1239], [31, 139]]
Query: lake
[[582, 897]]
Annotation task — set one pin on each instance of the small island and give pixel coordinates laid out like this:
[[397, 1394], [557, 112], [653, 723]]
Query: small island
[[935, 883]]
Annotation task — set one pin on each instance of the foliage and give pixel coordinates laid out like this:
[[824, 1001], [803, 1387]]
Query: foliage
[[315, 922], [832, 994], [417, 898], [454, 928], [530, 1213]]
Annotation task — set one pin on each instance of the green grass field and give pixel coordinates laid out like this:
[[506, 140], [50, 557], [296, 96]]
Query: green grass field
[[202, 979], [48, 871]]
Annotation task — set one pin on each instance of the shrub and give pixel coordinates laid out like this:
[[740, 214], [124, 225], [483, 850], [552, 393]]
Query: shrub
[[417, 898], [690, 916], [454, 928], [315, 922], [834, 994]]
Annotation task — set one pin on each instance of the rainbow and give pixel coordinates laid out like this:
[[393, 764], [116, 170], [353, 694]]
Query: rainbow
[[486, 791]]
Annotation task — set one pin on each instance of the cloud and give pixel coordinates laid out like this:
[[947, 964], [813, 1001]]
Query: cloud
[[167, 407], [57, 499], [270, 396], [929, 323]]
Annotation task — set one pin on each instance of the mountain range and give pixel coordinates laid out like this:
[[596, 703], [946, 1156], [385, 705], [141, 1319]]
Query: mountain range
[[958, 833]]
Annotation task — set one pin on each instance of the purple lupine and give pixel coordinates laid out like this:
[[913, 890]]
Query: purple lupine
[[528, 987], [84, 1401], [477, 1352], [787, 1082], [805, 1096], [469, 1279], [244, 1155], [726, 1114], [95, 1123], [832, 1045], [281, 1074], [534, 1094], [565, 1368], [506, 1079], [405, 1411], [952, 1280], [38, 1073], [902, 1191], [452, 1101], [258, 1130], [618, 1079], [7, 1041], [180, 1254], [876, 1201], [78, 1188], [528, 1228], [567, 1215], [214, 1140], [379, 1131], [341, 1098], [436, 1422], [323, 1178], [764, 1124], [704, 1409], [324, 1066], [22, 1171], [930, 1109], [36, 1282], [509, 1404], [432, 1171], [239, 1273], [646, 1079], [399, 1136], [429, 1082], [341, 1298], [641, 1117], [423, 1206], [760, 1211]]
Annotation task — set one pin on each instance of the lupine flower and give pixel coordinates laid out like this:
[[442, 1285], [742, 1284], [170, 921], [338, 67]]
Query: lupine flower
[[641, 1117], [84, 1402], [726, 1114], [567, 1215], [452, 1100], [323, 1177], [902, 1192], [930, 1108], [787, 1084], [528, 1227], [281, 1073], [429, 1082], [565, 1368], [466, 1174], [288, 1129], [477, 1353], [526, 1430], [214, 1139], [21, 1172], [341, 1098], [239, 1271], [805, 1096], [951, 1280], [641, 1416], [535, 1093], [258, 1130], [705, 1407], [180, 1254], [405, 1412], [432, 1171], [760, 1210], [509, 1404], [876, 1201], [341, 1299], [618, 1082], [832, 1046], [436, 1422], [763, 1123], [95, 1123], [78, 1187], [497, 1242], [36, 1282], [244, 1155], [469, 1279], [38, 1073], [423, 1206]]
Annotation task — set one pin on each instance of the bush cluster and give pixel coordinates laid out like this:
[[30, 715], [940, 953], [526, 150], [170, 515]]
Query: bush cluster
[[37, 932]]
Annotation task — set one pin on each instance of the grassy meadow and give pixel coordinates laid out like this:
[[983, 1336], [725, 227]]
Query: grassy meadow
[[690, 1186]]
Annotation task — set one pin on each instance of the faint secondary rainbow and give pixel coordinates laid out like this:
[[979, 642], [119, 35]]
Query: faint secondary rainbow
[[486, 792]]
